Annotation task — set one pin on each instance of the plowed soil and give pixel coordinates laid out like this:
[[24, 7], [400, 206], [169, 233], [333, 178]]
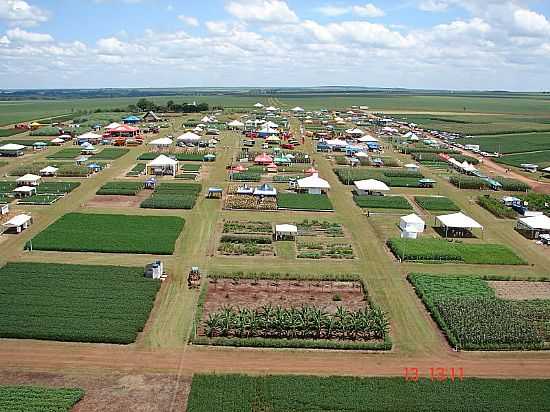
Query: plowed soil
[[519, 290]]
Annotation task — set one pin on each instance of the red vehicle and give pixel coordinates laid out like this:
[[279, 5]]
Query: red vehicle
[[287, 146], [251, 135]]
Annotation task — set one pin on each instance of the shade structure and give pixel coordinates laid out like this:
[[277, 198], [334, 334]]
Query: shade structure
[[361, 154], [263, 159], [336, 143], [48, 171], [259, 105], [355, 132], [163, 160], [541, 222], [313, 184], [239, 168], [18, 222], [112, 126], [12, 147], [163, 141], [412, 223], [285, 231], [265, 190], [57, 140], [297, 109], [188, 137], [206, 119], [28, 180], [273, 139], [235, 124], [458, 220], [270, 109], [162, 165], [371, 185], [368, 139]]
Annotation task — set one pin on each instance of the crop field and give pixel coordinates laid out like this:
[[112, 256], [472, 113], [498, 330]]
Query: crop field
[[436, 203], [246, 238], [137, 170], [65, 154], [110, 153], [10, 132], [473, 318], [391, 177], [261, 312], [238, 393], [173, 196], [76, 303], [57, 187], [123, 188], [496, 207], [439, 250], [39, 200], [303, 201], [33, 398], [322, 250], [474, 182], [511, 143], [382, 202], [66, 169], [83, 232], [541, 158], [537, 201], [190, 156]]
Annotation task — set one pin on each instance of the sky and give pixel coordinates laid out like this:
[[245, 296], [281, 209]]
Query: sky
[[430, 44]]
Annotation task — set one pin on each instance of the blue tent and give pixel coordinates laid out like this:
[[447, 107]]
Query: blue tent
[[131, 120]]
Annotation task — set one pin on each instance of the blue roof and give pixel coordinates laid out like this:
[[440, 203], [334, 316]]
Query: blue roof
[[132, 118]]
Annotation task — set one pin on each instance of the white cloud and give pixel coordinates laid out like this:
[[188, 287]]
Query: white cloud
[[21, 13], [189, 20], [266, 11], [333, 11], [368, 10], [531, 22], [18, 34], [433, 5]]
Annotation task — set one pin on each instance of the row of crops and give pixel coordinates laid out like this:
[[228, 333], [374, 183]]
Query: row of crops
[[473, 318], [423, 157], [474, 182], [110, 153], [84, 232], [304, 201], [249, 245], [320, 250], [436, 203], [66, 169], [121, 188], [173, 196], [439, 250], [382, 202], [391, 177], [237, 393], [137, 170], [34, 398], [76, 303], [496, 207]]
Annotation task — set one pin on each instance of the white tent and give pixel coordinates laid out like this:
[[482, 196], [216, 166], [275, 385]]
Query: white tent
[[411, 226], [18, 222], [361, 154], [355, 132], [23, 191], [412, 167], [313, 184], [368, 139], [162, 142], [285, 231], [259, 105], [57, 140], [112, 126], [337, 143], [235, 124], [162, 165], [457, 222], [271, 109], [188, 137], [206, 119], [273, 139], [89, 136], [48, 171], [29, 180], [365, 187], [12, 147], [271, 124], [546, 169], [534, 226], [297, 109], [265, 190]]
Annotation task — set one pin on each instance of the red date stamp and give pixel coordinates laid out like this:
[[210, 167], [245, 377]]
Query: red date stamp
[[434, 374]]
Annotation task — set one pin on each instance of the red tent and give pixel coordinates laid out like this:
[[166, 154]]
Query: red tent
[[263, 159], [239, 168], [311, 171]]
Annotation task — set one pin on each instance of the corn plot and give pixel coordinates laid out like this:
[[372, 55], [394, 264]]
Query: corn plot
[[34, 398], [173, 196], [76, 303]]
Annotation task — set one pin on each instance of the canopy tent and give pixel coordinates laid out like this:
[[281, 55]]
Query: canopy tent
[[259, 105], [534, 226], [411, 226], [188, 137], [112, 126], [57, 141], [263, 159], [18, 223], [273, 139], [124, 131], [368, 139], [271, 124], [28, 180], [23, 191], [12, 149], [162, 142], [162, 165], [285, 231], [235, 124], [271, 109], [336, 143], [48, 171], [355, 132], [206, 119], [361, 154], [297, 109], [313, 184], [131, 119], [265, 190], [370, 186], [457, 224], [268, 131], [412, 167]]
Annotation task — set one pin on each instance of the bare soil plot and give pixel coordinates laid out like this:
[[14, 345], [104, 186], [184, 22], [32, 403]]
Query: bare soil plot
[[117, 202], [113, 392], [521, 290]]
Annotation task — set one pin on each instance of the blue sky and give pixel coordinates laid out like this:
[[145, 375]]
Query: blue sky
[[448, 44]]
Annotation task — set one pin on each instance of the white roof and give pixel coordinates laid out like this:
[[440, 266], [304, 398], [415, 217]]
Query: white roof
[[313, 182], [412, 219], [189, 137], [536, 222], [235, 123], [12, 146], [113, 125], [459, 220], [28, 178], [90, 135], [17, 221], [206, 119], [163, 160], [270, 109], [273, 139], [163, 141], [271, 124], [546, 169], [337, 142], [371, 185], [49, 169], [297, 109], [268, 130], [361, 154], [286, 228], [24, 189], [412, 166], [58, 140], [355, 131], [367, 139], [258, 105]]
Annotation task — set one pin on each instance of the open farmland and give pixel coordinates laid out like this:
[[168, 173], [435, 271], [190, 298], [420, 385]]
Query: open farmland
[[472, 317], [173, 196], [108, 304], [511, 143], [34, 398], [84, 232], [541, 158], [236, 393], [304, 201]]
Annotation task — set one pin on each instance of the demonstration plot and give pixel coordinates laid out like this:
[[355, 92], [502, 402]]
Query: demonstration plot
[[511, 142], [322, 240], [83, 232], [246, 238], [76, 303], [33, 398], [391, 177], [173, 196], [436, 203], [290, 313], [476, 314], [477, 183], [58, 169], [304, 201], [382, 202], [429, 250]]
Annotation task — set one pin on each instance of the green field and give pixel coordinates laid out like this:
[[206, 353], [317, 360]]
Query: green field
[[82, 232], [66, 154], [76, 303], [382, 202], [34, 398], [436, 203], [110, 153], [123, 188], [239, 393], [173, 196], [511, 143], [303, 201], [472, 317], [541, 158]]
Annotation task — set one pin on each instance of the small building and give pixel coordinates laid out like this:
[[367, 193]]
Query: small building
[[154, 270], [285, 232], [370, 187], [214, 192], [12, 150], [313, 184], [131, 120], [534, 226], [24, 191], [457, 225], [162, 166], [38, 146], [28, 180], [411, 226], [528, 167], [4, 209], [235, 125], [48, 171], [17, 223], [151, 117], [162, 143]]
